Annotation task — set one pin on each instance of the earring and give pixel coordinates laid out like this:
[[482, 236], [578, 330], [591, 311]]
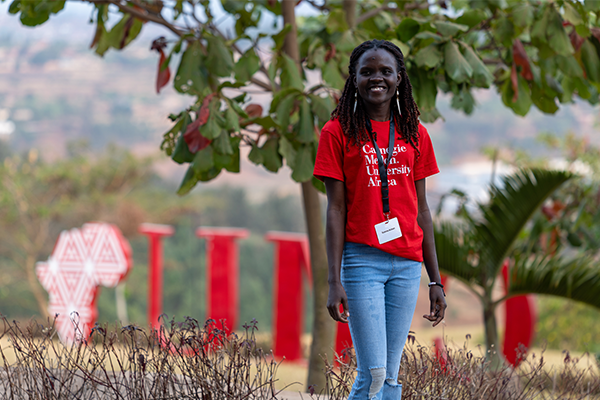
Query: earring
[[398, 101], [355, 100]]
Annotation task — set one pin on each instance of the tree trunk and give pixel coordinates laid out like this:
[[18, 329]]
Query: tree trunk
[[491, 334], [34, 285], [349, 7], [323, 326]]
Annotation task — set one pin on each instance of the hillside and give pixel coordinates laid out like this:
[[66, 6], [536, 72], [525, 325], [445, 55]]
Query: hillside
[[54, 90]]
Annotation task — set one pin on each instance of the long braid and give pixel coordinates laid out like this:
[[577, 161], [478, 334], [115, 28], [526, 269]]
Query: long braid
[[354, 125]]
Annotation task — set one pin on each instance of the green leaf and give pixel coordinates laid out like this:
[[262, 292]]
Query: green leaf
[[290, 75], [203, 161], [234, 164], [539, 28], [321, 107], [482, 76], [189, 181], [209, 175], [316, 55], [512, 205], [471, 18], [523, 102], [266, 122], [271, 158], [407, 29], [576, 278], [256, 155], [569, 66], [456, 66], [336, 22], [452, 252], [463, 100], [306, 124], [449, 29], [222, 144], [429, 57], [247, 66], [304, 164], [286, 149], [504, 30], [568, 86], [583, 88], [219, 60], [190, 77], [557, 37], [211, 129], [236, 107], [15, 7], [428, 35], [182, 153], [542, 101], [591, 5], [571, 14], [347, 42], [281, 95], [232, 120], [424, 89], [284, 111], [590, 60], [320, 186], [496, 4], [279, 38], [404, 48], [522, 15], [332, 75]]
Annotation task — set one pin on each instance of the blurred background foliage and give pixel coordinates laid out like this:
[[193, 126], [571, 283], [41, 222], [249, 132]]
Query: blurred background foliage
[[39, 199]]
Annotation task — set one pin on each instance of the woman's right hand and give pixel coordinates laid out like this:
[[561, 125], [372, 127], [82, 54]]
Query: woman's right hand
[[337, 296]]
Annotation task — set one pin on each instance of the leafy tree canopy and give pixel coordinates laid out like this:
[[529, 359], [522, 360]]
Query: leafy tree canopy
[[540, 54]]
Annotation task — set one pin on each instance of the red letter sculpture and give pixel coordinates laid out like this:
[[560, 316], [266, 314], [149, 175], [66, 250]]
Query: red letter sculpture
[[222, 269], [291, 257], [155, 233], [82, 259]]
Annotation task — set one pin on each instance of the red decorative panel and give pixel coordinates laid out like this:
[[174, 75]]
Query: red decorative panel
[[291, 258], [155, 233], [222, 269], [520, 318], [82, 259]]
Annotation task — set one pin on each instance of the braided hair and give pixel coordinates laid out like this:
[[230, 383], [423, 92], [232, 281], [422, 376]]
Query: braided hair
[[355, 125]]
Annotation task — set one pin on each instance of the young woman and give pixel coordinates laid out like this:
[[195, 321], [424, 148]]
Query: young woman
[[374, 156]]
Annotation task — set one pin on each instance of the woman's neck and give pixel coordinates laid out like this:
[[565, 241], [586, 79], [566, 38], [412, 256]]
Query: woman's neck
[[379, 112]]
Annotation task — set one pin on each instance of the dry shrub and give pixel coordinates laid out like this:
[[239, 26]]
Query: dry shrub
[[184, 360], [180, 361], [458, 374]]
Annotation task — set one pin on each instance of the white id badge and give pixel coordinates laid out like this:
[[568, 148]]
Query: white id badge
[[388, 230]]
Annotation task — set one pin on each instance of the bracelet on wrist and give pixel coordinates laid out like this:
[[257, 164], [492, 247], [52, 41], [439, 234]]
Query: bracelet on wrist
[[437, 284]]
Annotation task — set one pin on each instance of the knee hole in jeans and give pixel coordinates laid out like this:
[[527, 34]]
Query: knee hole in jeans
[[377, 379]]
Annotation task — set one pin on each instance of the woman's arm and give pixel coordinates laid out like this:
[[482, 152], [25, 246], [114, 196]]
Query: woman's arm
[[436, 293], [335, 234]]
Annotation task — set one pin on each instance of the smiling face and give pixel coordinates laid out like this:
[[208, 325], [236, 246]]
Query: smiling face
[[377, 79]]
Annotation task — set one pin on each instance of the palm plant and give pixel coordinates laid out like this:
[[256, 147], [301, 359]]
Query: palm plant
[[474, 249]]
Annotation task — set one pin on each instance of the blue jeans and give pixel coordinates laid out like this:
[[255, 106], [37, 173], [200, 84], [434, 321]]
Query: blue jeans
[[382, 294]]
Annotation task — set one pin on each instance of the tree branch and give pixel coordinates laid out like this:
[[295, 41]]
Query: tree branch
[[323, 7], [142, 14], [375, 11]]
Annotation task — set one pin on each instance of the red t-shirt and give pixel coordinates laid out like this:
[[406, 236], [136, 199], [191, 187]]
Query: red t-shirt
[[358, 169]]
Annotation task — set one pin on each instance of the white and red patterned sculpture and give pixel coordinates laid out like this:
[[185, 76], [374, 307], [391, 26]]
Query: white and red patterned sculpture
[[82, 259]]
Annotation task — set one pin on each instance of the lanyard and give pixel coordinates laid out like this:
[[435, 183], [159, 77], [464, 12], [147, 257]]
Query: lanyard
[[383, 168]]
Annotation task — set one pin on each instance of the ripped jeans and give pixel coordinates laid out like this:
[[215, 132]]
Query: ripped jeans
[[382, 294]]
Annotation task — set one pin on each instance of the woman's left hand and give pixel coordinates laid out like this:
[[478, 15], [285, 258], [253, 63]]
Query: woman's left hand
[[437, 305]]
